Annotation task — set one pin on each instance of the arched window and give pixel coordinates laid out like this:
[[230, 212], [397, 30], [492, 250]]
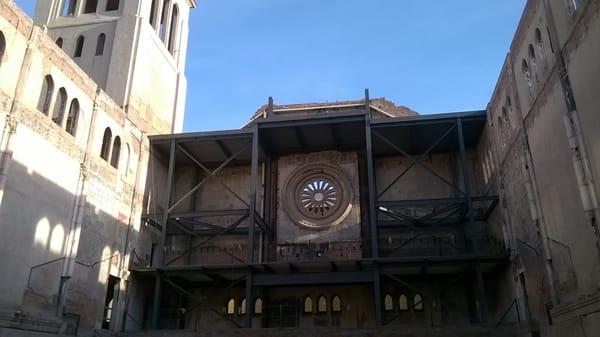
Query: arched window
[[2, 47], [322, 304], [46, 95], [533, 61], [388, 303], [100, 44], [308, 304], [59, 42], [418, 303], [231, 306], [173, 31], [112, 5], [91, 6], [336, 304], [539, 42], [153, 9], [116, 152], [69, 7], [243, 306], [258, 306], [72, 118], [162, 29], [79, 46], [403, 303], [106, 141], [60, 106], [527, 74]]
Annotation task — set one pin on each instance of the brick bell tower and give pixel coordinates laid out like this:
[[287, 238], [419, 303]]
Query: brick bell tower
[[134, 49]]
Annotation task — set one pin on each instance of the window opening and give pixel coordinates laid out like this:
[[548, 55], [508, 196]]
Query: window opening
[[231, 306], [100, 44], [106, 141], [91, 6], [173, 31], [59, 109], [243, 307], [336, 304], [258, 306], [418, 302], [46, 95], [116, 152], [72, 117], [308, 304], [59, 42], [322, 304], [112, 5], [79, 46], [403, 303], [68, 8], [113, 283]]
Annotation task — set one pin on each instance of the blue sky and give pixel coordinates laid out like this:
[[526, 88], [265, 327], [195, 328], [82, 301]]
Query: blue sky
[[432, 56]]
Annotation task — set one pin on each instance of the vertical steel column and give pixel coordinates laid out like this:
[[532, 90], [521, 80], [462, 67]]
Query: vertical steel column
[[372, 197], [475, 249], [163, 238], [267, 200], [251, 226]]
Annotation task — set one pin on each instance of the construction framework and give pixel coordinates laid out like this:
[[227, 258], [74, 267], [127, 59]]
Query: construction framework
[[257, 145]]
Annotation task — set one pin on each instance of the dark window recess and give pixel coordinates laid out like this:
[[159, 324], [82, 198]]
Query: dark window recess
[[59, 42], [90, 6], [113, 282], [112, 5], [79, 47], [100, 44]]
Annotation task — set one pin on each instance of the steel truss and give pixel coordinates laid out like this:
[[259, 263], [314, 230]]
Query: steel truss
[[382, 214]]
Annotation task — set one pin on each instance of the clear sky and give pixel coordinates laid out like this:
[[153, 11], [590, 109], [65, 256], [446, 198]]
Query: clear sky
[[432, 56]]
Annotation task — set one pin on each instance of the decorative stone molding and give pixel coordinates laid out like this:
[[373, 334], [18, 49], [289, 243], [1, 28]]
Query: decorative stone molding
[[317, 196]]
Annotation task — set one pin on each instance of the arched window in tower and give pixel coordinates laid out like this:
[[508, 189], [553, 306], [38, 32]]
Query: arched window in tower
[[418, 303], [153, 13], [112, 5], [174, 31], [72, 118], [91, 6], [68, 8], [403, 303], [230, 310], [100, 44], [388, 303], [308, 305], [106, 141], [336, 304], [162, 29], [60, 106], [533, 60], [79, 46], [322, 304], [46, 95], [539, 42], [2, 47], [258, 306], [59, 42], [116, 152], [527, 74]]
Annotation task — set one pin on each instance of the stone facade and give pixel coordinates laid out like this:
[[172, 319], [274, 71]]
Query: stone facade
[[71, 218]]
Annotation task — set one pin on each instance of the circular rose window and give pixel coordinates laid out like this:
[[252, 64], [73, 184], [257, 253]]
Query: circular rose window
[[317, 196]]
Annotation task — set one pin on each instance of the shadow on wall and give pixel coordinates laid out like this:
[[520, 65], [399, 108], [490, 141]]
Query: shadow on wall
[[37, 232]]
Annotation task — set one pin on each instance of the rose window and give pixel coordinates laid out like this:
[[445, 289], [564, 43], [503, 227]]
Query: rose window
[[317, 196]]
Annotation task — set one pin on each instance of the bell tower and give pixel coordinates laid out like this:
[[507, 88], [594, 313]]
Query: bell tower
[[135, 50]]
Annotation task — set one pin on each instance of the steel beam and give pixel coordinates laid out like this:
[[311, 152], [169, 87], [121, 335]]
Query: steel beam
[[377, 297], [163, 236], [372, 188], [249, 296], [289, 279], [252, 206]]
